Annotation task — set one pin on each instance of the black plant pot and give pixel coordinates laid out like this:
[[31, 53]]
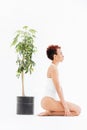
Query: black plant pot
[[25, 105]]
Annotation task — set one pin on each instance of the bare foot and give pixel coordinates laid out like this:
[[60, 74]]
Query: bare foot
[[46, 113]]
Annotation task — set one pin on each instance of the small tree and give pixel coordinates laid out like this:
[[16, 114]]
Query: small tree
[[24, 46]]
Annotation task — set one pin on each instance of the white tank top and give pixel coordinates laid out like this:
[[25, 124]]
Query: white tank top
[[50, 89]]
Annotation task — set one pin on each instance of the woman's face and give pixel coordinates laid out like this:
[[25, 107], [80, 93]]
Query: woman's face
[[59, 56]]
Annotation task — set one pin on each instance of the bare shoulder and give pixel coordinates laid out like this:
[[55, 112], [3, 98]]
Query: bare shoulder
[[51, 69]]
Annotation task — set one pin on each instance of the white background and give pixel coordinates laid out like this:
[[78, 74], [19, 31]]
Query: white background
[[62, 22]]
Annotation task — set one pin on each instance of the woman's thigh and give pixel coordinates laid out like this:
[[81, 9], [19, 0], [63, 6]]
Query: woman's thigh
[[50, 104]]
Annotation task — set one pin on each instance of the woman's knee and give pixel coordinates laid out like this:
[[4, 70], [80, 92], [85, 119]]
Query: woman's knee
[[78, 111], [75, 108]]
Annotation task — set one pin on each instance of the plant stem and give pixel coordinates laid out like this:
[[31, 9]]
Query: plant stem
[[22, 77]]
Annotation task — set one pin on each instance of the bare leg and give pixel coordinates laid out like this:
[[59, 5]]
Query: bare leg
[[60, 113], [46, 113], [55, 113], [55, 108], [52, 113]]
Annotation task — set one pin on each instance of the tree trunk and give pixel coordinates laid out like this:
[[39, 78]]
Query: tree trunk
[[22, 77]]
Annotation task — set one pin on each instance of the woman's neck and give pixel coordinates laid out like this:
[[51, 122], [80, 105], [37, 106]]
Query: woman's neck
[[55, 63]]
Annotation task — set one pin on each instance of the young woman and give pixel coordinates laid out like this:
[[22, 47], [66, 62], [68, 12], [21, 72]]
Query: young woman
[[52, 106]]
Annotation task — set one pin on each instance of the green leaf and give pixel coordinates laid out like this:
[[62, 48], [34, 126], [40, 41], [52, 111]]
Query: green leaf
[[24, 46], [15, 40], [32, 31], [25, 27]]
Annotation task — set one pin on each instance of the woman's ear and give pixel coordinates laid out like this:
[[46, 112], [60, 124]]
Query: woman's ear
[[54, 56]]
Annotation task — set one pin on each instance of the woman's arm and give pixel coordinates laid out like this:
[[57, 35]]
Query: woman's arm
[[55, 78]]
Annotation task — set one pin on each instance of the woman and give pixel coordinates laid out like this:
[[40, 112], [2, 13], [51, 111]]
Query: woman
[[49, 102]]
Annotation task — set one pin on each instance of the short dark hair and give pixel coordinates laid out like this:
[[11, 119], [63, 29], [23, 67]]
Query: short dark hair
[[51, 50]]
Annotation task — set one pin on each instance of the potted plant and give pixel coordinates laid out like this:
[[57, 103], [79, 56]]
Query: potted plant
[[24, 46]]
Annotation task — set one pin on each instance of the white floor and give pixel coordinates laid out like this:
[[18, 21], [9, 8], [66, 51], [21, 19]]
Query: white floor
[[25, 122]]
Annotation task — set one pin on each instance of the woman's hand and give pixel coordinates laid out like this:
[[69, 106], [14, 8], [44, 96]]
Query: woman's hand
[[67, 111]]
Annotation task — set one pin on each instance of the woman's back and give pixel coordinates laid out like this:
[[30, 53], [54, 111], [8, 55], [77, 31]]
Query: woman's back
[[50, 89]]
